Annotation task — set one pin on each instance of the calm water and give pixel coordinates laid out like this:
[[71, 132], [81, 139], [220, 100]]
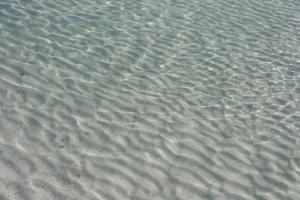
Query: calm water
[[149, 100]]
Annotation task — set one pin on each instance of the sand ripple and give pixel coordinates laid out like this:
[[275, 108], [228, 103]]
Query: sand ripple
[[149, 100]]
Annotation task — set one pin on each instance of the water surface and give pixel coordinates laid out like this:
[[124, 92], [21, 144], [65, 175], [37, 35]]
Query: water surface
[[149, 100]]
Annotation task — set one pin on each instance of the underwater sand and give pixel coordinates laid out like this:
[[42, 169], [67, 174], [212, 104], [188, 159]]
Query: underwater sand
[[149, 100]]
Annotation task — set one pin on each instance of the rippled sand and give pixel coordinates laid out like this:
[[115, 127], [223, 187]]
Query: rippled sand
[[149, 100]]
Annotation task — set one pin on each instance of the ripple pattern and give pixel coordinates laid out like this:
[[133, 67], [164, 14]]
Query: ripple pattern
[[149, 100]]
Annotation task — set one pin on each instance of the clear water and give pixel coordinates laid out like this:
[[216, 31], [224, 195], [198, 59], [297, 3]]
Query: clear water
[[149, 100]]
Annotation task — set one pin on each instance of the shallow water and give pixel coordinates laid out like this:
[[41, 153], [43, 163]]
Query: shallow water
[[149, 100]]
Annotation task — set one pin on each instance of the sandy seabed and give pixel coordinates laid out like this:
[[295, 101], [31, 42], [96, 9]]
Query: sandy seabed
[[149, 100]]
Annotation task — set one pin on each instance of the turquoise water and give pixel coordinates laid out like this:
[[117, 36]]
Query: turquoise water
[[149, 100]]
